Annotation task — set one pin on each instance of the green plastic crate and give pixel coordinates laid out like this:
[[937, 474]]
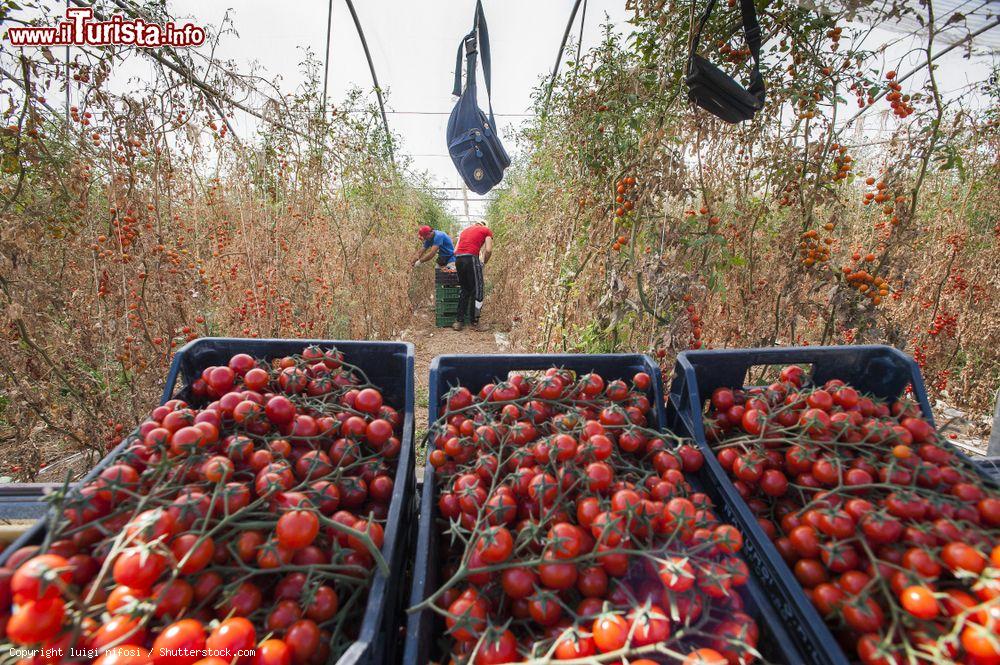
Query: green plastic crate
[[447, 293], [446, 305], [445, 320]]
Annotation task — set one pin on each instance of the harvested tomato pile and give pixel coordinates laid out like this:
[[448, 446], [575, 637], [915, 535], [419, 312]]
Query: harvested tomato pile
[[895, 539], [251, 524], [570, 531]]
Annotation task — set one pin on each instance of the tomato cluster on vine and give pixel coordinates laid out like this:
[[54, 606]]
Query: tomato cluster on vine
[[695, 320], [625, 200], [815, 249], [252, 523], [899, 102], [893, 536], [571, 531]]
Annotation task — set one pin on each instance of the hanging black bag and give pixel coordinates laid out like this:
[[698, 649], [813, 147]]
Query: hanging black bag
[[717, 92], [473, 143]]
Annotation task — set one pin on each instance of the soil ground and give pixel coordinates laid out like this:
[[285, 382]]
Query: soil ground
[[430, 341]]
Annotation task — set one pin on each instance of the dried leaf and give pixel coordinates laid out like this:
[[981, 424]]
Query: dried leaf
[[14, 312]]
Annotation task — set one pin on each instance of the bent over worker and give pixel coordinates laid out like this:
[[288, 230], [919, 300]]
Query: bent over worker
[[474, 241], [435, 242]]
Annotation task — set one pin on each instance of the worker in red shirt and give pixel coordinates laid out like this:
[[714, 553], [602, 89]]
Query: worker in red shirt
[[475, 246]]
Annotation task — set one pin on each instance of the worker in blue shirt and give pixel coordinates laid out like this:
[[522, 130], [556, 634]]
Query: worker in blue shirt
[[436, 242]]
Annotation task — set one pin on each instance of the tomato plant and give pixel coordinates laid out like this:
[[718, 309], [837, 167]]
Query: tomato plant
[[840, 232]]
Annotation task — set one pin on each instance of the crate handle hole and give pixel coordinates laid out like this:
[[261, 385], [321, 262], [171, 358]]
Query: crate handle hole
[[765, 375]]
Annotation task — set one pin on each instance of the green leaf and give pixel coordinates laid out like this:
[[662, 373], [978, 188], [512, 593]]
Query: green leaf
[[10, 164]]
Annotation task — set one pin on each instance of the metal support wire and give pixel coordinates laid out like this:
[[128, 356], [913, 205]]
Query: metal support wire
[[326, 59], [579, 43], [562, 47], [371, 67]]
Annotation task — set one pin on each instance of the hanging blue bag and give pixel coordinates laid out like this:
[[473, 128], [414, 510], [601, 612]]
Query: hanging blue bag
[[473, 143]]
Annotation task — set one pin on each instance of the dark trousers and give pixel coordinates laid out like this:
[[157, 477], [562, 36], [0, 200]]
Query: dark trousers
[[470, 280]]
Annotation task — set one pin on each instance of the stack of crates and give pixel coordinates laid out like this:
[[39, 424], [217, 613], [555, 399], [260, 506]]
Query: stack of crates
[[446, 292]]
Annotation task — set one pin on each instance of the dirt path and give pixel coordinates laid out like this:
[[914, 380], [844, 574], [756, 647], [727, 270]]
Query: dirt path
[[430, 341]]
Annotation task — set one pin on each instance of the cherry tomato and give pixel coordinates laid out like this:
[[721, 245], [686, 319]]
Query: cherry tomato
[[176, 641], [297, 529], [920, 602]]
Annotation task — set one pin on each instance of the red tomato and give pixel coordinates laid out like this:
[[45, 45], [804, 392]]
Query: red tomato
[[232, 636], [518, 583], [650, 626], [961, 557], [565, 540], [42, 577], [497, 649], [820, 399], [170, 646], [677, 574], [303, 638], [981, 642], [324, 604], [556, 575], [728, 539], [610, 632], [599, 476], [172, 597], [297, 529], [138, 568], [495, 545], [705, 657], [120, 630], [642, 381], [368, 400], [36, 621], [864, 616], [472, 611], [920, 602]]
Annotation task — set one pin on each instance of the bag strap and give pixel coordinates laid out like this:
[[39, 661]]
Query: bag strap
[[481, 33], [484, 49], [468, 44], [751, 32]]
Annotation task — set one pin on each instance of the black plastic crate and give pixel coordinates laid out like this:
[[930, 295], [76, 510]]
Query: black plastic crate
[[388, 365], [423, 628], [879, 370], [989, 466], [445, 277], [25, 501]]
